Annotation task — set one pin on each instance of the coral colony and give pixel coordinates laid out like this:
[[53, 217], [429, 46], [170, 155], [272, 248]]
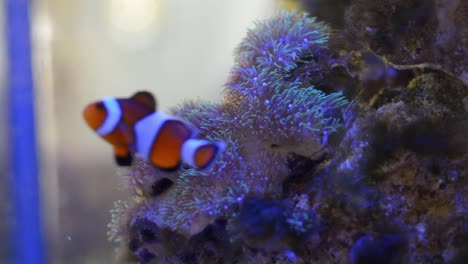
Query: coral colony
[[320, 164]]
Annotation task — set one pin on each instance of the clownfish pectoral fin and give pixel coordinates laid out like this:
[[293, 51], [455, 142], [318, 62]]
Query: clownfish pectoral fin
[[122, 156], [145, 98], [126, 133], [200, 153]]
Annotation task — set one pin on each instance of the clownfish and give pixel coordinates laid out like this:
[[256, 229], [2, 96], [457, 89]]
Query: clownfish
[[133, 125]]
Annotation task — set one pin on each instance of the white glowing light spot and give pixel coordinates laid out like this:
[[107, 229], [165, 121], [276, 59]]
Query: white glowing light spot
[[43, 29], [133, 15]]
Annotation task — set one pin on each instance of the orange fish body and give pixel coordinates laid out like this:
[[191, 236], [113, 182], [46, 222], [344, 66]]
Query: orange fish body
[[133, 125]]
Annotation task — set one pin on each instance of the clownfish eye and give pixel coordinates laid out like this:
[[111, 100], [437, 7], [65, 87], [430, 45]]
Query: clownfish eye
[[100, 106]]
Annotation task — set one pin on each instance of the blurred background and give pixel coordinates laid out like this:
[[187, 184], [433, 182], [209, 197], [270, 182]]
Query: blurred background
[[85, 50]]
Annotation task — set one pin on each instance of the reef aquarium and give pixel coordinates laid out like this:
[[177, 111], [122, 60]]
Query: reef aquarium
[[266, 131]]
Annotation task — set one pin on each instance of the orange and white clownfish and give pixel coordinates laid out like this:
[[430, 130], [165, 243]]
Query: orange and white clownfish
[[133, 125]]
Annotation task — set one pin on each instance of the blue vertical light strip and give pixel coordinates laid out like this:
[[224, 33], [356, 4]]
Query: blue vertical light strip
[[27, 232]]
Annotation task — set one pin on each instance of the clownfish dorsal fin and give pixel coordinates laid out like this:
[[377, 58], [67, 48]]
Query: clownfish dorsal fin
[[146, 98]]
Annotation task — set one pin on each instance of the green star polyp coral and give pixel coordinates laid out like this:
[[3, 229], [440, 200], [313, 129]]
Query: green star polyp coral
[[266, 115]]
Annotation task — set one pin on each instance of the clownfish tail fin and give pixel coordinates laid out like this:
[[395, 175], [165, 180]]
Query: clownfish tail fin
[[200, 153], [122, 156]]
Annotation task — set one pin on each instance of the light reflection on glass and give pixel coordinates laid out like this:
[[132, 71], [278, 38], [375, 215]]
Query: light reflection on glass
[[134, 23], [133, 15]]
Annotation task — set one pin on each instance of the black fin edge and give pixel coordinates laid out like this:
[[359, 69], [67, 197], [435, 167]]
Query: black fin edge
[[124, 161]]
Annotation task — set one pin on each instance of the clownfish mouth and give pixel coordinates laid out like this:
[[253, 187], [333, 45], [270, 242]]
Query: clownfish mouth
[[94, 114]]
